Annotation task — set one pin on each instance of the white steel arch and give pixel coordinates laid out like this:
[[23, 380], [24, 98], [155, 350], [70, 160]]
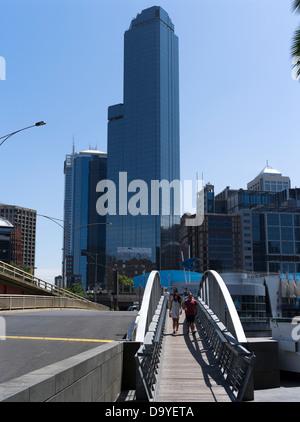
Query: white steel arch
[[152, 295], [214, 293]]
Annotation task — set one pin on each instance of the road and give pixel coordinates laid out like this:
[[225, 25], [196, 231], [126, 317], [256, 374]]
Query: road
[[35, 339]]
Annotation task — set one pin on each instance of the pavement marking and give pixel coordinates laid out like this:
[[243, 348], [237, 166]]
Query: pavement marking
[[57, 339]]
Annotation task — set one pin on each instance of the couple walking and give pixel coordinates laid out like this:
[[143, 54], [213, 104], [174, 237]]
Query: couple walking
[[190, 307]]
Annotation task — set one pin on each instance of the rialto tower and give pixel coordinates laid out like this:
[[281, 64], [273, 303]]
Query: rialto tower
[[143, 143]]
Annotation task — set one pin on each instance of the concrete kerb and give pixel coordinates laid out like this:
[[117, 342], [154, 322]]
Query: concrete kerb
[[95, 375]]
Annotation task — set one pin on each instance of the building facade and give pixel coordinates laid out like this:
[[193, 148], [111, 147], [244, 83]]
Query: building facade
[[6, 229], [85, 229], [217, 242], [270, 180], [24, 234], [263, 235], [143, 144]]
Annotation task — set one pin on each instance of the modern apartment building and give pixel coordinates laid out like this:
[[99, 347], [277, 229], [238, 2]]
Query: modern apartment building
[[85, 229], [143, 143], [24, 234]]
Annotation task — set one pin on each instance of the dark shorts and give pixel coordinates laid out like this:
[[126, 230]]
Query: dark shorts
[[190, 318]]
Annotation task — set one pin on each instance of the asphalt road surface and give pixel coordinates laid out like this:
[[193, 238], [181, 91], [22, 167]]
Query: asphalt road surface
[[34, 339]]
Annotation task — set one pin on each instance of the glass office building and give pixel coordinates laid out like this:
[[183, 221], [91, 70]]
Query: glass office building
[[143, 144], [216, 242], [276, 242], [85, 229]]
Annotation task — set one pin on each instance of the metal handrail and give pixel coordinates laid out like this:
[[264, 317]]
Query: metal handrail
[[235, 362], [28, 278], [148, 355], [151, 297], [214, 292], [10, 302]]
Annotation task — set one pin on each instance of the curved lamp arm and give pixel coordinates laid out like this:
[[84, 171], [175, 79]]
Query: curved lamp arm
[[5, 137]]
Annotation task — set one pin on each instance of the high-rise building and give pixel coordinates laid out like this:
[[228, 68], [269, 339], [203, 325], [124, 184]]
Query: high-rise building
[[254, 231], [143, 144], [85, 229], [269, 179], [216, 242], [24, 234]]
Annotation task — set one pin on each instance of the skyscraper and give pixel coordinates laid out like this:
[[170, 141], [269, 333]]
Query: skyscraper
[[85, 230], [143, 144]]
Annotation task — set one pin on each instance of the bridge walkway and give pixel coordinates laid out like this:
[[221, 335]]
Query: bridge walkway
[[188, 371]]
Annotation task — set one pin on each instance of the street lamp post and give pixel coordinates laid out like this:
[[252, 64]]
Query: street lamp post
[[5, 137], [58, 222], [95, 257], [91, 254]]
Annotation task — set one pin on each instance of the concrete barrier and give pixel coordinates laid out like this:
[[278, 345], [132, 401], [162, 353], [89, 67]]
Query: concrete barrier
[[266, 372], [92, 376]]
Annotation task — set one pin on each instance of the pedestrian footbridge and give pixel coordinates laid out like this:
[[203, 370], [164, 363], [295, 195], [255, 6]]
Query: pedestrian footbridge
[[211, 365]]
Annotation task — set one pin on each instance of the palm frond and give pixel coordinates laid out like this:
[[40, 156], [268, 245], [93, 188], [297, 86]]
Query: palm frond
[[295, 48], [296, 6], [295, 53]]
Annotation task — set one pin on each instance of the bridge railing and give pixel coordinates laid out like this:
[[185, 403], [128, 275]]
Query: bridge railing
[[218, 320], [151, 298], [225, 335], [215, 294], [148, 331], [28, 279], [148, 356], [13, 302], [25, 277]]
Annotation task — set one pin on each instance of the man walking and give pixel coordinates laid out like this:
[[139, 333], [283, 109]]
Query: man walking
[[190, 306]]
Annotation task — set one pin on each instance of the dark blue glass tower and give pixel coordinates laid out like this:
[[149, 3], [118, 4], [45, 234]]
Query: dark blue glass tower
[[143, 142], [85, 230]]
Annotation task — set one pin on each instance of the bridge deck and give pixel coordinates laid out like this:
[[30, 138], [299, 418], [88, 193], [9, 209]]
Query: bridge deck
[[188, 371]]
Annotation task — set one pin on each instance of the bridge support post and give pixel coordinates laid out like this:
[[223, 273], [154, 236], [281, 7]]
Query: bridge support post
[[249, 390], [140, 393], [129, 371]]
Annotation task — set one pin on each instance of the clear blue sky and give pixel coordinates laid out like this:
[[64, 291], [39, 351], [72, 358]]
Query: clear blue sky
[[239, 105]]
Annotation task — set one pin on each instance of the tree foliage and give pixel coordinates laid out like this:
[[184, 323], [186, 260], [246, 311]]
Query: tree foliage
[[23, 267], [77, 289], [126, 284]]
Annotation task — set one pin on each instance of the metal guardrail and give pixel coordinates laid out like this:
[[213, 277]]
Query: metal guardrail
[[235, 362], [148, 356], [20, 275], [13, 302], [29, 279]]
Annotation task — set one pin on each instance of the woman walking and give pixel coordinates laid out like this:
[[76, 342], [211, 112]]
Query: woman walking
[[175, 311]]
